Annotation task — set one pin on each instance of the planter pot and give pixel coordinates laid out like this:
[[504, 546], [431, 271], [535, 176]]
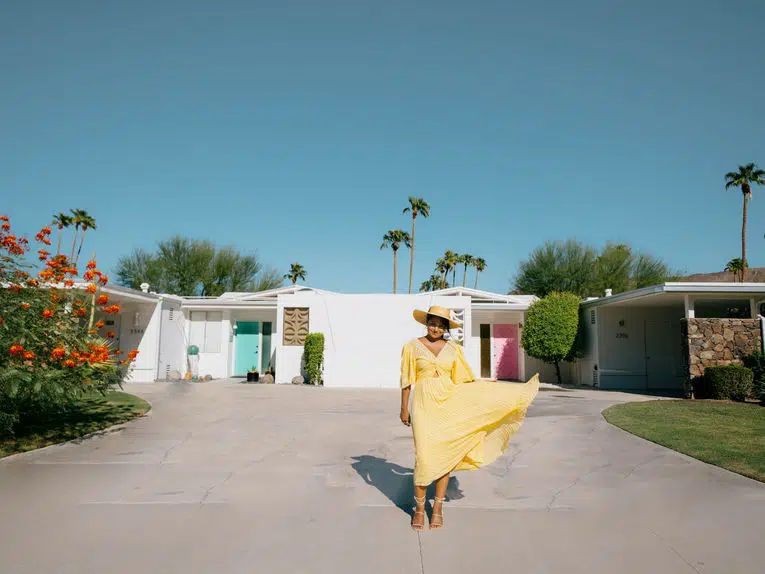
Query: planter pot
[[253, 377]]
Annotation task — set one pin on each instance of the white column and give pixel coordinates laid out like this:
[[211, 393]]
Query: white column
[[690, 308]]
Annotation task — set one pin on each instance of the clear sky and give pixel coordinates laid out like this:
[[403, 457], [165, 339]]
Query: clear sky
[[297, 128]]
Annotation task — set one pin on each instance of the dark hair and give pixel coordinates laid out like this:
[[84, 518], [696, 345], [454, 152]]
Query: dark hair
[[444, 322]]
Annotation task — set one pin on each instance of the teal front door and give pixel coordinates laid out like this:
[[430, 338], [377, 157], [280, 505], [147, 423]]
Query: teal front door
[[247, 347]]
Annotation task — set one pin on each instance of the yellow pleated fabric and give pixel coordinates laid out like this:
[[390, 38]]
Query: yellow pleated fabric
[[459, 423]]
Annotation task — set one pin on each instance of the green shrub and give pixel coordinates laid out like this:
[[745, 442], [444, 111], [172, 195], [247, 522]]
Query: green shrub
[[729, 382], [550, 329], [756, 362], [313, 357]]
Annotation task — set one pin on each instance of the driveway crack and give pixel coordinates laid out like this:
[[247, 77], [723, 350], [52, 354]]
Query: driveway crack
[[672, 548]]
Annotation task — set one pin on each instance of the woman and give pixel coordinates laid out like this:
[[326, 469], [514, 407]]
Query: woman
[[458, 423]]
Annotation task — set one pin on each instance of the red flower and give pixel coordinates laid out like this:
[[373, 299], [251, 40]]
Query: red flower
[[47, 314], [103, 280], [132, 355], [70, 363], [110, 334], [91, 264], [81, 312], [33, 283], [100, 325], [68, 283], [6, 226], [91, 288], [58, 353], [16, 349], [4, 218], [102, 299], [29, 355], [112, 310], [88, 276], [25, 305]]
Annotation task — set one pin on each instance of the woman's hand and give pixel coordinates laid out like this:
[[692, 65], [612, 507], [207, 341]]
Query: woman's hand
[[405, 418]]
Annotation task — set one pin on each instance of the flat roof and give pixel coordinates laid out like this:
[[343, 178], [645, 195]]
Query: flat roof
[[684, 288]]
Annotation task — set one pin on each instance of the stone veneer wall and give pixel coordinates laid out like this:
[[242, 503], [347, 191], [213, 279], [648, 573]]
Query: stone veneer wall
[[712, 342]]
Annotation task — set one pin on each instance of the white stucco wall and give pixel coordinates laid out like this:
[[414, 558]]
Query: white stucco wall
[[139, 329], [363, 334], [172, 344]]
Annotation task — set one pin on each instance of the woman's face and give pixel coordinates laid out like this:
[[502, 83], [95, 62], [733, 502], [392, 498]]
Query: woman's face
[[436, 327]]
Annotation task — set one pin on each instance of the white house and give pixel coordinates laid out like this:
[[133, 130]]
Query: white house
[[363, 333], [635, 339]]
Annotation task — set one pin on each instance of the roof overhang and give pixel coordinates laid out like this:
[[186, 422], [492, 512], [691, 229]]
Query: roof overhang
[[675, 293]]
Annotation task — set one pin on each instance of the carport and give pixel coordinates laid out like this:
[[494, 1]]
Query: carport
[[635, 340]]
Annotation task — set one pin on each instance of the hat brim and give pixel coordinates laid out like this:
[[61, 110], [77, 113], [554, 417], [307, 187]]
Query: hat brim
[[422, 317]]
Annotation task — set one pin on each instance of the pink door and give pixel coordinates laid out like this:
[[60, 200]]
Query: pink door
[[505, 343]]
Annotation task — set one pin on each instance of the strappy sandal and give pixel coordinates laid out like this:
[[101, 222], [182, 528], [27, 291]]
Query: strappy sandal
[[419, 509], [437, 520]]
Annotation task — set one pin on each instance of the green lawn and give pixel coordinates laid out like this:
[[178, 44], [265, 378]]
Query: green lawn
[[730, 435], [89, 415]]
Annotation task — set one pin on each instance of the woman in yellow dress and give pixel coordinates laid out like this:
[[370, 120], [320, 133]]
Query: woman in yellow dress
[[458, 422]]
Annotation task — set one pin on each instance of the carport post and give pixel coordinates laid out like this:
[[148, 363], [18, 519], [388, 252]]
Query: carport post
[[690, 308]]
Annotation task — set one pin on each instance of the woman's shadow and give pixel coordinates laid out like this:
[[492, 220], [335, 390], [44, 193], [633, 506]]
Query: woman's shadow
[[397, 482]]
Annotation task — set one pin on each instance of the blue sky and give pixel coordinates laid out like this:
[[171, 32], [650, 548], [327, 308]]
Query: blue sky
[[297, 129]]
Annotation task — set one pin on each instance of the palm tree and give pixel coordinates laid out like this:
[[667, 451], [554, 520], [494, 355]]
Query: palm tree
[[480, 267], [735, 266], [442, 269], [743, 178], [468, 261], [452, 259], [86, 222], [393, 240], [77, 215], [62, 221], [417, 206], [297, 271]]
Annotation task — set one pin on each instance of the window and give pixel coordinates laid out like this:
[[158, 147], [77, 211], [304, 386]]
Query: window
[[206, 330]]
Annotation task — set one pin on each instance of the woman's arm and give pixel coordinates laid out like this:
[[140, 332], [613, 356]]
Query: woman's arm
[[405, 417]]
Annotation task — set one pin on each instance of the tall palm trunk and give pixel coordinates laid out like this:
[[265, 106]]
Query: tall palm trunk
[[60, 235], [464, 278], [454, 276], [745, 188], [74, 242], [395, 252], [476, 279], [79, 249], [411, 255]]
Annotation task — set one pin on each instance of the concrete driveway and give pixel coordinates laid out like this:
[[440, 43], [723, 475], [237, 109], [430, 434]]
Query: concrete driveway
[[233, 478]]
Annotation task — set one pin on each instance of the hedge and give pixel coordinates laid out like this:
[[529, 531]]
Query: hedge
[[313, 357], [728, 382]]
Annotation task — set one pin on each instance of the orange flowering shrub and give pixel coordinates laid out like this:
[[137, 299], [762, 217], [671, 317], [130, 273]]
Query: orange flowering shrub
[[50, 353]]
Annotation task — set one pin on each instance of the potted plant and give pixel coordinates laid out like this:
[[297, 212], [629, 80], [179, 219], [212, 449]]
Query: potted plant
[[252, 375]]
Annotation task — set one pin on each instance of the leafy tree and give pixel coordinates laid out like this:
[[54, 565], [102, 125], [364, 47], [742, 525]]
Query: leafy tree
[[744, 178], [296, 272], [558, 266], [393, 240], [417, 206], [61, 221], [550, 328], [184, 266], [573, 267]]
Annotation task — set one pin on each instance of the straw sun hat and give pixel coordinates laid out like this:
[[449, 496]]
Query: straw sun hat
[[435, 311]]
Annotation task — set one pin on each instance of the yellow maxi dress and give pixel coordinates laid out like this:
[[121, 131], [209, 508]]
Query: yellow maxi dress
[[458, 423]]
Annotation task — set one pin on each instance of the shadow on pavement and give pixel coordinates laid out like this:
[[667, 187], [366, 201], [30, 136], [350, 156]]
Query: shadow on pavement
[[397, 482]]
